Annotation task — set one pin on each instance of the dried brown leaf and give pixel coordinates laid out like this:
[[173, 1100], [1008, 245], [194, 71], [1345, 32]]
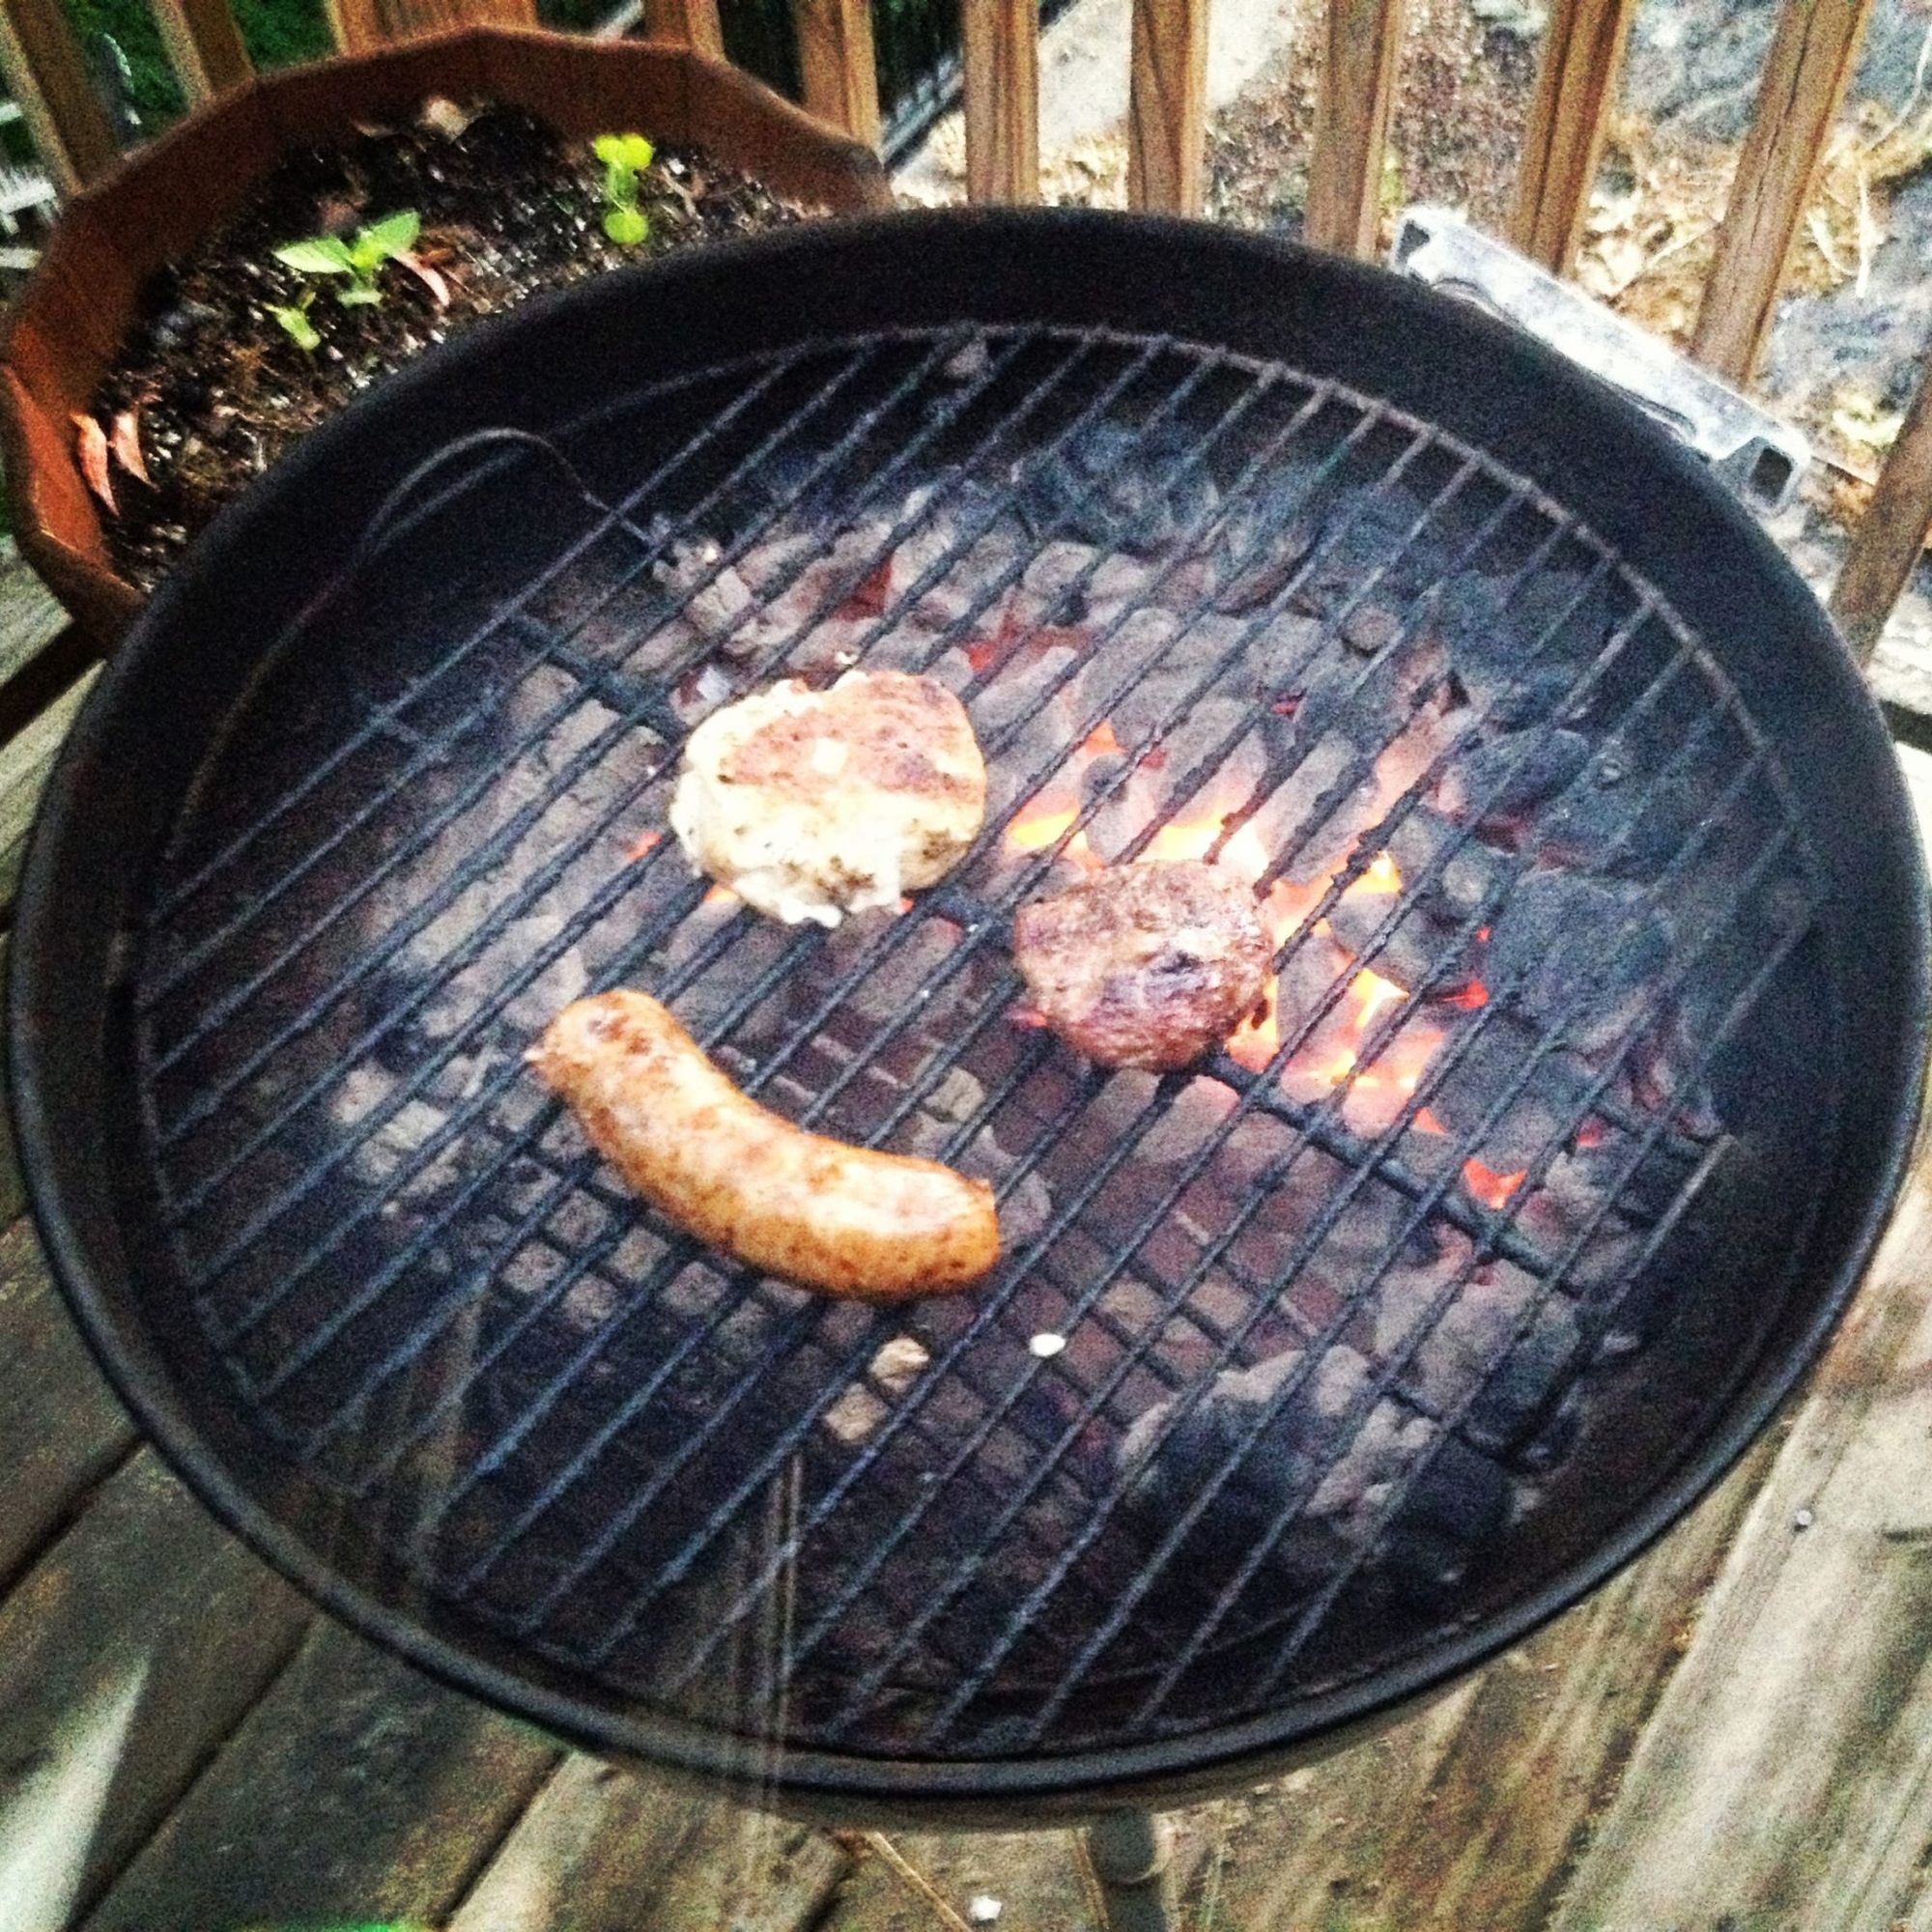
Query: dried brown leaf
[[126, 445], [444, 116], [90, 445], [430, 278]]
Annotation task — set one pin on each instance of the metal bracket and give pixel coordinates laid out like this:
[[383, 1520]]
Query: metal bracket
[[1759, 457]]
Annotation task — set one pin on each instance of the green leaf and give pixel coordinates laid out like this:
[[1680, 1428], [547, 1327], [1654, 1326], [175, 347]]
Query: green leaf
[[391, 236], [296, 324], [626, 226], [623, 150], [320, 255], [359, 294]]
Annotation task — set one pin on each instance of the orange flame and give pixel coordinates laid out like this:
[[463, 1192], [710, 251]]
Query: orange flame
[[1382, 875], [719, 895], [1490, 1188]]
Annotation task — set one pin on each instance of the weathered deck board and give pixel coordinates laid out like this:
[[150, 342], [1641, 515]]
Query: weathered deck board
[[602, 1849], [1786, 1778], [29, 617], [61, 1429], [1465, 1816], [25, 761], [144, 1595], [1036, 1876], [357, 1791]]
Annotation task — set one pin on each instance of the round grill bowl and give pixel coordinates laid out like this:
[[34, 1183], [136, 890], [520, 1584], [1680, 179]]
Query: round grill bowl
[[342, 824]]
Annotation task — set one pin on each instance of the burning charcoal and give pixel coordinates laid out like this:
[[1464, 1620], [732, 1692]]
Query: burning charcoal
[[1061, 570], [1457, 1502], [1472, 880], [1370, 628], [865, 1404], [769, 566], [1496, 786], [1263, 540], [1282, 651], [1112, 487], [1411, 952], [716, 603], [1278, 1440], [1365, 543], [1625, 819], [1578, 953], [1491, 658], [1491, 1064], [1030, 679], [1467, 1355], [1187, 1122]]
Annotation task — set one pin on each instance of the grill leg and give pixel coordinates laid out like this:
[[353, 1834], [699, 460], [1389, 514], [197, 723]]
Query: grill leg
[[1129, 1854]]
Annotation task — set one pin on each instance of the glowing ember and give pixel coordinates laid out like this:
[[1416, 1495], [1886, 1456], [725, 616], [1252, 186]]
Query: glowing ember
[[719, 895], [1427, 1122], [1490, 1188], [1100, 741], [1592, 1133], [1466, 999], [643, 842], [1382, 876], [1371, 994], [1174, 844], [1038, 826]]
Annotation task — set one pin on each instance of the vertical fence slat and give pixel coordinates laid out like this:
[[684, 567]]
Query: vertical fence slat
[[1811, 63], [1890, 534], [204, 46], [1351, 123], [1000, 80], [1576, 88], [694, 22], [47, 74], [835, 59], [1167, 105]]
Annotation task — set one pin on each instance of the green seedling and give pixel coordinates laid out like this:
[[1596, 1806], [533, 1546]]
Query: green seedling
[[359, 258], [294, 322], [625, 156]]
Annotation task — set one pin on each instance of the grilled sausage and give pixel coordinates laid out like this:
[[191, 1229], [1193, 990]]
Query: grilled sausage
[[798, 1204]]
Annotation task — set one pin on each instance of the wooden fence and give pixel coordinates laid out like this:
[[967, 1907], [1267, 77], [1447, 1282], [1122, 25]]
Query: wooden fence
[[1811, 62]]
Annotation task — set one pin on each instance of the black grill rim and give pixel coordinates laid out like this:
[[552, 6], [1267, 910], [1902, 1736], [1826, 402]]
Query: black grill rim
[[1326, 316]]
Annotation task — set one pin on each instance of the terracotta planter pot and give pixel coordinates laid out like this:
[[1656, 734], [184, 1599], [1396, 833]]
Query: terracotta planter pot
[[65, 329]]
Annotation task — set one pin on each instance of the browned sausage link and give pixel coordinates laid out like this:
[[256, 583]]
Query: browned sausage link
[[794, 1204]]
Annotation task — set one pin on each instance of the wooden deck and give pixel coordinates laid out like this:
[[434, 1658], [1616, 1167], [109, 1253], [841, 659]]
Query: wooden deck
[[1735, 1736]]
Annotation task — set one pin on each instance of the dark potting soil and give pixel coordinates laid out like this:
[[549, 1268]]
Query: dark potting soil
[[508, 208]]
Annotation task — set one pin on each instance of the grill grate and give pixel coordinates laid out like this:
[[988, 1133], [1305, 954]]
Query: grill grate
[[1353, 1313]]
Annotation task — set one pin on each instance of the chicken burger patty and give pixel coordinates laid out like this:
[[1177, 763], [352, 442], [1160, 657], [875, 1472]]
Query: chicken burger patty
[[815, 803], [1144, 965]]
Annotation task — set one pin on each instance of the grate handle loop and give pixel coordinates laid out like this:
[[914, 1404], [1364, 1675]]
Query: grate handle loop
[[391, 505]]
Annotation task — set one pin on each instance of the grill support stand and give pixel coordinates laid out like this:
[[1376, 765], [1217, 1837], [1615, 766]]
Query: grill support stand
[[1129, 1851]]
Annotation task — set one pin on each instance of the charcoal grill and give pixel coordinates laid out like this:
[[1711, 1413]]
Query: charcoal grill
[[1310, 1377]]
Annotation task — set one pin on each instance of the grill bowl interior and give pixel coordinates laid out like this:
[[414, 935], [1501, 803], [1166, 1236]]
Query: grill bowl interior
[[370, 1294]]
